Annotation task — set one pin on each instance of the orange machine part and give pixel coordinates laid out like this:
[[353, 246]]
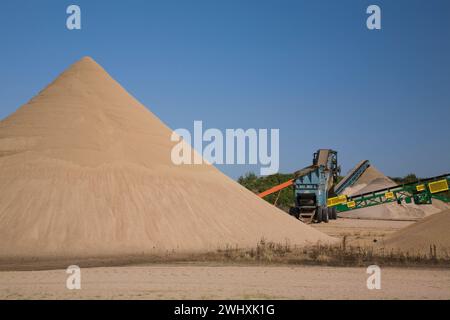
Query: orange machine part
[[276, 188]]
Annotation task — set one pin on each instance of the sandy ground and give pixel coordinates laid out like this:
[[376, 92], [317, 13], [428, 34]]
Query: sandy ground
[[359, 231], [226, 282], [214, 281]]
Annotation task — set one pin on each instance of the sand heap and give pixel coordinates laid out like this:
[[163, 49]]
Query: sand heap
[[417, 238], [85, 170], [372, 180]]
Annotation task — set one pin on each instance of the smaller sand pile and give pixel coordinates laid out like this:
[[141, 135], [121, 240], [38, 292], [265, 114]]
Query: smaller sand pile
[[417, 238], [372, 180]]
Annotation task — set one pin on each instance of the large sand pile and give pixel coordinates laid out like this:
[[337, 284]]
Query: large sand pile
[[418, 237], [372, 180], [85, 171]]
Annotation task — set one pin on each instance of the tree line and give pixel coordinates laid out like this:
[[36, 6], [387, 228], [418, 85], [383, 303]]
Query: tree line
[[285, 199]]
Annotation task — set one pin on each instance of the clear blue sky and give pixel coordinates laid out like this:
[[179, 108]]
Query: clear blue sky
[[310, 68]]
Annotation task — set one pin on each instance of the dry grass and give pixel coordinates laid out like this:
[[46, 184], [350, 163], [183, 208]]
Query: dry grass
[[264, 253], [340, 255]]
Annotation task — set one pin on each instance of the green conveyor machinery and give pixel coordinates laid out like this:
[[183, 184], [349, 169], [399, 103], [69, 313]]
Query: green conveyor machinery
[[419, 192]]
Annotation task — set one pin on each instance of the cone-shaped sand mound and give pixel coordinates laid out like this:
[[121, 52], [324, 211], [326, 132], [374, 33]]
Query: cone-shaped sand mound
[[372, 180], [431, 232], [85, 171]]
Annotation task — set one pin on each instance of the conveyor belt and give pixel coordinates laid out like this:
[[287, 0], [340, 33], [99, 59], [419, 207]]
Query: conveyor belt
[[288, 183], [444, 176], [304, 171], [323, 157], [352, 176], [421, 192]]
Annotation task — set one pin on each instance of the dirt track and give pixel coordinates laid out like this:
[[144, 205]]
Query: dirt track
[[226, 282]]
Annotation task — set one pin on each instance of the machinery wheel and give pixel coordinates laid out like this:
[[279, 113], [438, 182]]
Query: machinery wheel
[[333, 213], [319, 214], [295, 212], [325, 214]]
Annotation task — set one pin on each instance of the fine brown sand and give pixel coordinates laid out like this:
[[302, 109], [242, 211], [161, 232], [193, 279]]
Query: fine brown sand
[[418, 237], [85, 171], [371, 180], [361, 232], [227, 282]]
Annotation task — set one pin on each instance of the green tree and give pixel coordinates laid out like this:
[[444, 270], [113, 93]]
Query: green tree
[[284, 198], [410, 178]]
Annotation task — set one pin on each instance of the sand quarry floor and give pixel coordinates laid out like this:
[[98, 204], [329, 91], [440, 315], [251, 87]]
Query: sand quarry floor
[[226, 282], [360, 231], [218, 281]]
